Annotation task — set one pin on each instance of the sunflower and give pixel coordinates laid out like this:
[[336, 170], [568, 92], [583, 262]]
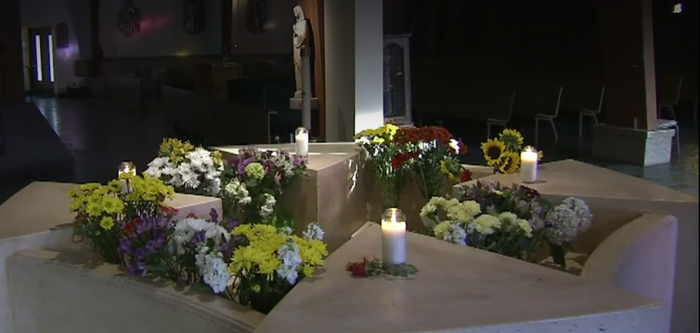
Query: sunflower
[[512, 139], [494, 151], [511, 163]]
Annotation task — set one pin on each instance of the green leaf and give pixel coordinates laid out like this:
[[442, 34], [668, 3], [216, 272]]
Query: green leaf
[[201, 287]]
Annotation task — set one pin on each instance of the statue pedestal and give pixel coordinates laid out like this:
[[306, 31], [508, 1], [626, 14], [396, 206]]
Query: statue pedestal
[[295, 103]]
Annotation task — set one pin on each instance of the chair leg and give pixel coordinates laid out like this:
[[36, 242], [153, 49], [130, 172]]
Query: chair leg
[[595, 119], [488, 130], [673, 112], [580, 125], [554, 128], [537, 129]]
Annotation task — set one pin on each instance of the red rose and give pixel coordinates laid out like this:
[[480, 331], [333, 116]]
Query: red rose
[[462, 147], [466, 176], [358, 269], [129, 229], [191, 216]]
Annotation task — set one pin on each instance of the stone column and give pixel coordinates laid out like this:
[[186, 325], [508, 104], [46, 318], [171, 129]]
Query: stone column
[[627, 47], [11, 67], [354, 43]]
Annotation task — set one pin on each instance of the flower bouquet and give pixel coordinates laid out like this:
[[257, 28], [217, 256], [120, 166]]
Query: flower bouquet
[[272, 262], [189, 169], [382, 151], [503, 154], [202, 249], [465, 223], [103, 210], [556, 226], [254, 181], [430, 153]]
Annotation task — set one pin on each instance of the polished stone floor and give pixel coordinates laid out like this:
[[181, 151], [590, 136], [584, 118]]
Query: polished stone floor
[[99, 134]]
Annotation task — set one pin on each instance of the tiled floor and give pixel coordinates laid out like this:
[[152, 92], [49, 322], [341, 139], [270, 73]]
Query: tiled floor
[[100, 135]]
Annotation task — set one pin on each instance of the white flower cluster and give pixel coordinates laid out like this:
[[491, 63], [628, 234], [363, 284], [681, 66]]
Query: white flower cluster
[[285, 162], [289, 252], [313, 232], [196, 171], [237, 191], [452, 220], [568, 220], [186, 229], [213, 269], [268, 205], [290, 262]]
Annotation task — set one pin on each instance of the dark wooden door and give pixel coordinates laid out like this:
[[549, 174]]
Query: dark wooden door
[[41, 61]]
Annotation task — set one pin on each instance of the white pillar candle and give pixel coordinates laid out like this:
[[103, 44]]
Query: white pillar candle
[[528, 165], [301, 139], [126, 168], [393, 237]]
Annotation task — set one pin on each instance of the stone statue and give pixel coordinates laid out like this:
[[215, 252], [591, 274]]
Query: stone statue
[[300, 43]]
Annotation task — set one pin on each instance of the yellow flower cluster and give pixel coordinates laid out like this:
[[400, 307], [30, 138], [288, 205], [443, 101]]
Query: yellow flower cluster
[[503, 154], [175, 149], [106, 202], [146, 188], [378, 135], [260, 255]]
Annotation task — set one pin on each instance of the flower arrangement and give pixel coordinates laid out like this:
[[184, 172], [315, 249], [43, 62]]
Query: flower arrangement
[[510, 220], [272, 261], [254, 181], [382, 151], [464, 223], [431, 155], [503, 153], [374, 267], [189, 169], [102, 211]]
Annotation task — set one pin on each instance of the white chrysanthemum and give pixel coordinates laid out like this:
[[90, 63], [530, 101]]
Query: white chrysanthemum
[[485, 224], [313, 231], [289, 262], [238, 191], [155, 167], [187, 228], [214, 186], [213, 269], [507, 218], [268, 205], [217, 232], [464, 212], [524, 226]]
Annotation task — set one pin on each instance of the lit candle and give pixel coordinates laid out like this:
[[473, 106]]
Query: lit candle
[[528, 165], [393, 237], [128, 169], [301, 138]]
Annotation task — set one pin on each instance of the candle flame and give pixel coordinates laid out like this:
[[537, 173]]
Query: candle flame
[[530, 149]]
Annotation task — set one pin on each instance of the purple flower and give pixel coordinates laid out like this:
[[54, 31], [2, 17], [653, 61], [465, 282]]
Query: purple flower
[[299, 161], [232, 223], [124, 246], [213, 215], [199, 237], [243, 164], [269, 165]]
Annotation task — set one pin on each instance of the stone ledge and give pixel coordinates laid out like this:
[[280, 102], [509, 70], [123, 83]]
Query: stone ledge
[[43, 282], [639, 147]]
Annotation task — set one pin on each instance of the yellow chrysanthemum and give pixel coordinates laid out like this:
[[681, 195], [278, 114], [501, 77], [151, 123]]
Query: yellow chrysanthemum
[[107, 223], [511, 163], [540, 155], [512, 139], [494, 151], [112, 205]]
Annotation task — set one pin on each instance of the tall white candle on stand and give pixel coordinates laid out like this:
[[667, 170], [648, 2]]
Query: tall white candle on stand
[[301, 139], [528, 165], [393, 237]]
